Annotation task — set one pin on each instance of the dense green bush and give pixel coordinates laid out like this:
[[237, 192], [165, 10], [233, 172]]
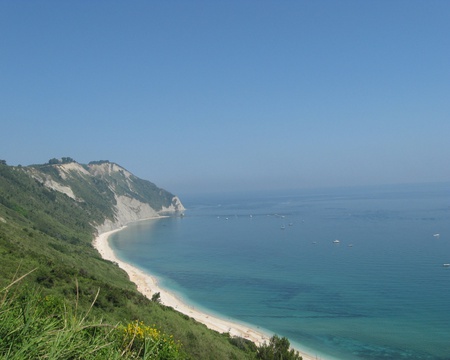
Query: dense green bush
[[277, 349]]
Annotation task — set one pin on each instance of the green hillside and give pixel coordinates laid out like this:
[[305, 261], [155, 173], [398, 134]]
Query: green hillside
[[50, 232]]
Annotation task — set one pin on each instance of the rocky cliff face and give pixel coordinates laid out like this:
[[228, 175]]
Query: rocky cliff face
[[122, 196]]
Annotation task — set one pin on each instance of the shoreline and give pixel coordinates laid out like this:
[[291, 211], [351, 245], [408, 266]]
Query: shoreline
[[148, 285]]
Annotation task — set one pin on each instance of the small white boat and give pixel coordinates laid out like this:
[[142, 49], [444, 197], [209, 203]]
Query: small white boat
[[336, 241], [446, 265], [436, 235]]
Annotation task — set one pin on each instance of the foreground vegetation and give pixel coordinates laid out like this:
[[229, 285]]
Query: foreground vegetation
[[75, 305], [37, 327]]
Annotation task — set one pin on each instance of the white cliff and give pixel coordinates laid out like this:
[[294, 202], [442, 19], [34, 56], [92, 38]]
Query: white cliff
[[129, 198]]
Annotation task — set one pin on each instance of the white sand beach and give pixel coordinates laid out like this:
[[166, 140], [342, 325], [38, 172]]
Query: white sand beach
[[148, 286]]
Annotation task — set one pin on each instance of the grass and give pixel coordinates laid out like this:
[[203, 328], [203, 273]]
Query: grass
[[33, 326]]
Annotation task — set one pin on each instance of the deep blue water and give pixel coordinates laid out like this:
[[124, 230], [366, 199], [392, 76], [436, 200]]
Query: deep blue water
[[381, 293]]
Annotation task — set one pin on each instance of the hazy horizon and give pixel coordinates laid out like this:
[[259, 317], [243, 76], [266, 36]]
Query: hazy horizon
[[207, 96]]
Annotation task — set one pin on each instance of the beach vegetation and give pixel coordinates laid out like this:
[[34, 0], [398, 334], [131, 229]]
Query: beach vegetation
[[244, 344], [156, 297], [278, 348]]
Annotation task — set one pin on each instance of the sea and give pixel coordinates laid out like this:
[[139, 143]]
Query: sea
[[344, 273]]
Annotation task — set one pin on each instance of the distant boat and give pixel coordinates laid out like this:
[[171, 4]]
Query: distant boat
[[283, 227], [436, 235], [446, 265], [336, 241], [350, 245]]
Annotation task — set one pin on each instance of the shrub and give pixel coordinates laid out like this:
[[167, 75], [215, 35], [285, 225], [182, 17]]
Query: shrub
[[277, 349]]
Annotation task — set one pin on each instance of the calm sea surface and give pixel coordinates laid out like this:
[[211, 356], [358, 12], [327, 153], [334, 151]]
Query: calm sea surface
[[269, 260]]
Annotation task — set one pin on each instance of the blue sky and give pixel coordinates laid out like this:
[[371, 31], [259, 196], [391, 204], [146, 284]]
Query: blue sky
[[230, 95]]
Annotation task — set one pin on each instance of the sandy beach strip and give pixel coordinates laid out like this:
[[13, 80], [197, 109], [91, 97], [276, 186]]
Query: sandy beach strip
[[147, 285]]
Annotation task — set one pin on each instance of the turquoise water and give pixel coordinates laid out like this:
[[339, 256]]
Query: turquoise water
[[269, 260]]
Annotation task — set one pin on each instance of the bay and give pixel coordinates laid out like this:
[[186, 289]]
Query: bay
[[270, 260]]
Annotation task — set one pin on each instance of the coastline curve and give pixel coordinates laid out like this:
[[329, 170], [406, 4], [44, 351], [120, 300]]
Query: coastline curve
[[147, 285]]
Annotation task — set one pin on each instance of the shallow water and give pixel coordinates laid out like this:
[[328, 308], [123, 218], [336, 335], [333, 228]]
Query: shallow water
[[269, 260]]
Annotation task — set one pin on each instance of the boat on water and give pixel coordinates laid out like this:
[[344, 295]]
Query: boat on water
[[336, 241], [446, 265], [436, 235]]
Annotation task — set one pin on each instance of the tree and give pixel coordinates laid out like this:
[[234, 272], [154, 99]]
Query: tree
[[67, 160], [277, 349], [53, 161], [156, 297]]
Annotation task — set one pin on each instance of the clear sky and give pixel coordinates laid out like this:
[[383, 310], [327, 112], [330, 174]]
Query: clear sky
[[230, 95]]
